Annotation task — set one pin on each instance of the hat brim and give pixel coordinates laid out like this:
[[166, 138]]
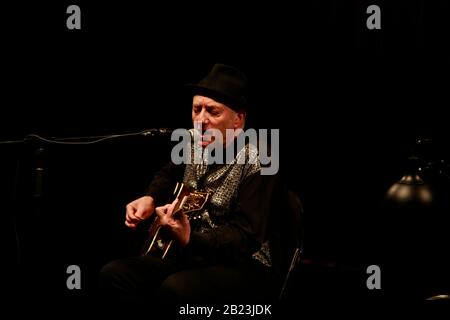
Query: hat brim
[[229, 101]]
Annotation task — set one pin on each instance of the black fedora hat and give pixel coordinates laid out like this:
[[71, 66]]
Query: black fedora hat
[[225, 84]]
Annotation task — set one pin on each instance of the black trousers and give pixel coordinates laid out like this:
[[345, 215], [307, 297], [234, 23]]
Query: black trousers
[[146, 278]]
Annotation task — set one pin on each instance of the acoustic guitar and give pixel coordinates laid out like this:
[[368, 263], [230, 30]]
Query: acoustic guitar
[[190, 203]]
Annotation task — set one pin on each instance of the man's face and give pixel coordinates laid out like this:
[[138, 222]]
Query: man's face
[[214, 115]]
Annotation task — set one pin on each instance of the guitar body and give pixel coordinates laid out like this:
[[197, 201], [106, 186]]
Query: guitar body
[[160, 241]]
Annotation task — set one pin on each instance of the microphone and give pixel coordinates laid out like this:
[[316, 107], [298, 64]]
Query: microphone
[[156, 132]]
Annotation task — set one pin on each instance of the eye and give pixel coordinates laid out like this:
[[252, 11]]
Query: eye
[[214, 111]]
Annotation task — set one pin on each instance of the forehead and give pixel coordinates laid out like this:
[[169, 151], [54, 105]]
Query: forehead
[[202, 100]]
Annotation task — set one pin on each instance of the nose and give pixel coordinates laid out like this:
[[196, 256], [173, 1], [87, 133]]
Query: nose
[[202, 117]]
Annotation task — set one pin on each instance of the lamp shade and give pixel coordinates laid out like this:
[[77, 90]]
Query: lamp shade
[[415, 232], [411, 190]]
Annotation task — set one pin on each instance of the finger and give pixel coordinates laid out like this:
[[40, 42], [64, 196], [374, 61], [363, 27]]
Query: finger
[[138, 215], [130, 225], [131, 213], [162, 211], [184, 219], [132, 221], [171, 208], [177, 225], [131, 218]]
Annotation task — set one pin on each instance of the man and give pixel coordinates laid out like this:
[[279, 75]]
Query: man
[[224, 255]]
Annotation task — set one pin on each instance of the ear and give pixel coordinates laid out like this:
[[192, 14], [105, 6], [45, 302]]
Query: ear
[[239, 119]]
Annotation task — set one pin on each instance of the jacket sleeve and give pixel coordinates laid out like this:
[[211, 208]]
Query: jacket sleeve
[[163, 183]]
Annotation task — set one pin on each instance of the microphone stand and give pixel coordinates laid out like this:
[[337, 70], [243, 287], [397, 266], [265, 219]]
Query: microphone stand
[[38, 161], [88, 139]]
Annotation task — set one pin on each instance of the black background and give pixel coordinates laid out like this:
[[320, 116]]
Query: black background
[[349, 102]]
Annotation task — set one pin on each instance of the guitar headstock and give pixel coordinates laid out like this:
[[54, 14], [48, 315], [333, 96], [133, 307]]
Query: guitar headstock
[[189, 201], [194, 201]]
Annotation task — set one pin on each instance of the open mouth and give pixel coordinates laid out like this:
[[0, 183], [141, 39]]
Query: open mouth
[[206, 139]]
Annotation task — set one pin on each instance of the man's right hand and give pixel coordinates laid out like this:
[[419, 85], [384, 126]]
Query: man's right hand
[[139, 210]]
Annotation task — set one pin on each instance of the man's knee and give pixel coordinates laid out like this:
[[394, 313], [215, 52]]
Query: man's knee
[[175, 288], [111, 269], [111, 275]]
